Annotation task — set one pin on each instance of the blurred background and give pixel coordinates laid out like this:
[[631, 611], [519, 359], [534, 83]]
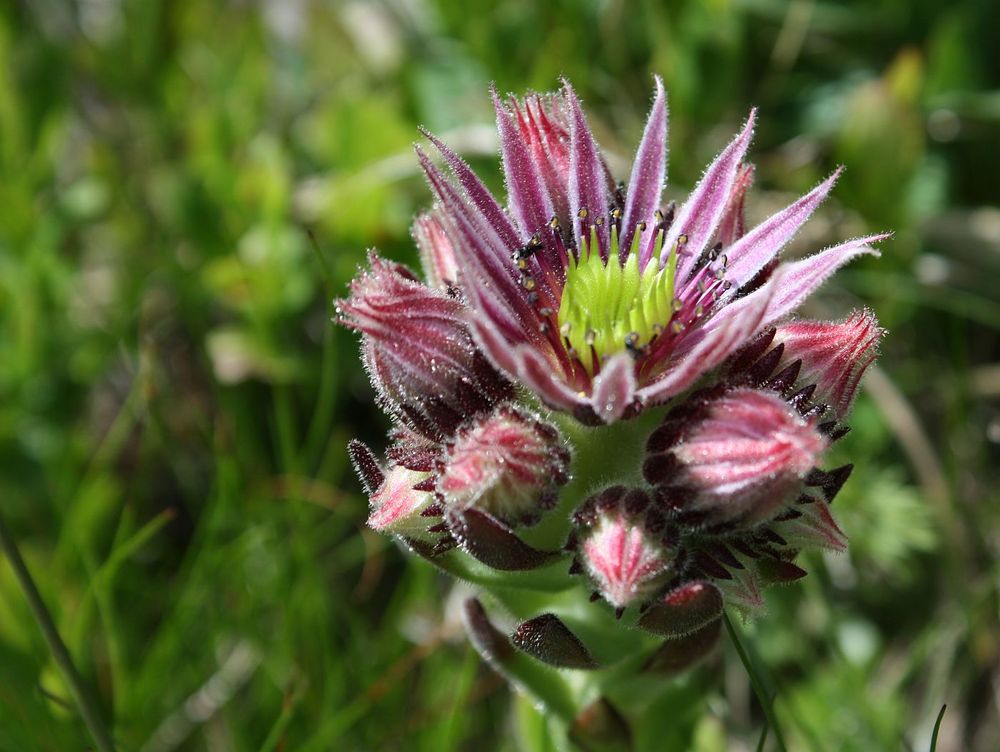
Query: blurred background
[[175, 403]]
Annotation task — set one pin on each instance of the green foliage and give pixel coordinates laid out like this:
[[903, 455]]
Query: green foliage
[[174, 404]]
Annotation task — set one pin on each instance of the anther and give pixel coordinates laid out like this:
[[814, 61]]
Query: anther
[[590, 337], [599, 221], [676, 327], [582, 214], [676, 305], [641, 227], [554, 222]]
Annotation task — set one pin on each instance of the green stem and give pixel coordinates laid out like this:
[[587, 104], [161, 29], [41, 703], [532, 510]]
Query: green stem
[[757, 683], [88, 710], [937, 728]]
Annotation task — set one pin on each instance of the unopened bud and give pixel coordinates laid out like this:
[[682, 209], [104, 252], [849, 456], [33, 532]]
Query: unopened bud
[[397, 505], [509, 464], [418, 351], [625, 545], [740, 458], [834, 355]]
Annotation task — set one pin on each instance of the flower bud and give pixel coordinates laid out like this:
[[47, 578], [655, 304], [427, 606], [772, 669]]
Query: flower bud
[[834, 355], [437, 254], [397, 506], [739, 458], [625, 545], [418, 351], [509, 464]]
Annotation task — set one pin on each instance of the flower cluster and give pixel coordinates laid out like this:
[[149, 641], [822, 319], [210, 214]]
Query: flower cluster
[[587, 301]]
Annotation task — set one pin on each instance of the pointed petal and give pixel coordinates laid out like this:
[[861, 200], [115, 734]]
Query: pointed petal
[[648, 171], [684, 610], [700, 214], [753, 251], [728, 330], [588, 183], [487, 274], [478, 193], [437, 254], [526, 190], [732, 226], [799, 279], [614, 388], [527, 366]]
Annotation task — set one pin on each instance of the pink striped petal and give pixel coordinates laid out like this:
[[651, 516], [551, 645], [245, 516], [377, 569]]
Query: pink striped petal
[[478, 193], [487, 275], [799, 279], [648, 172], [525, 364], [614, 388], [526, 191], [722, 336], [753, 251], [732, 226], [588, 180], [700, 214]]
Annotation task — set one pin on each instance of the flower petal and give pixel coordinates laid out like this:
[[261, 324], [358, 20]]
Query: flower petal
[[588, 179], [487, 275], [753, 251], [730, 328], [700, 214], [478, 193], [648, 171], [526, 365], [614, 388], [799, 279], [526, 190]]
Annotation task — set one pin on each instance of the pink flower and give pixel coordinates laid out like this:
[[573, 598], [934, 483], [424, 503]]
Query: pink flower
[[603, 301], [397, 506]]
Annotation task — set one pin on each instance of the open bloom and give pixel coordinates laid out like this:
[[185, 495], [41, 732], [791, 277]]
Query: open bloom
[[597, 299], [595, 295]]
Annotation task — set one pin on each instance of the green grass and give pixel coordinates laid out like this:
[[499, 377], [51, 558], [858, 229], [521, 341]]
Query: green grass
[[175, 404]]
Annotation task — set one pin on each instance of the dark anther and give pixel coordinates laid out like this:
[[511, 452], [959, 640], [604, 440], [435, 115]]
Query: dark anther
[[529, 249]]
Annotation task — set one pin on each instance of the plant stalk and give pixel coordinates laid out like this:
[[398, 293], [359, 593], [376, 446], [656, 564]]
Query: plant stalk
[[85, 704]]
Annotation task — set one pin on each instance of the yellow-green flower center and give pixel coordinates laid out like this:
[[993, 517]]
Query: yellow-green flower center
[[609, 306]]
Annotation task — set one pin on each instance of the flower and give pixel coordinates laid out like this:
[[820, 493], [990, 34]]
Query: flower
[[397, 506], [595, 296], [595, 299], [418, 351]]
